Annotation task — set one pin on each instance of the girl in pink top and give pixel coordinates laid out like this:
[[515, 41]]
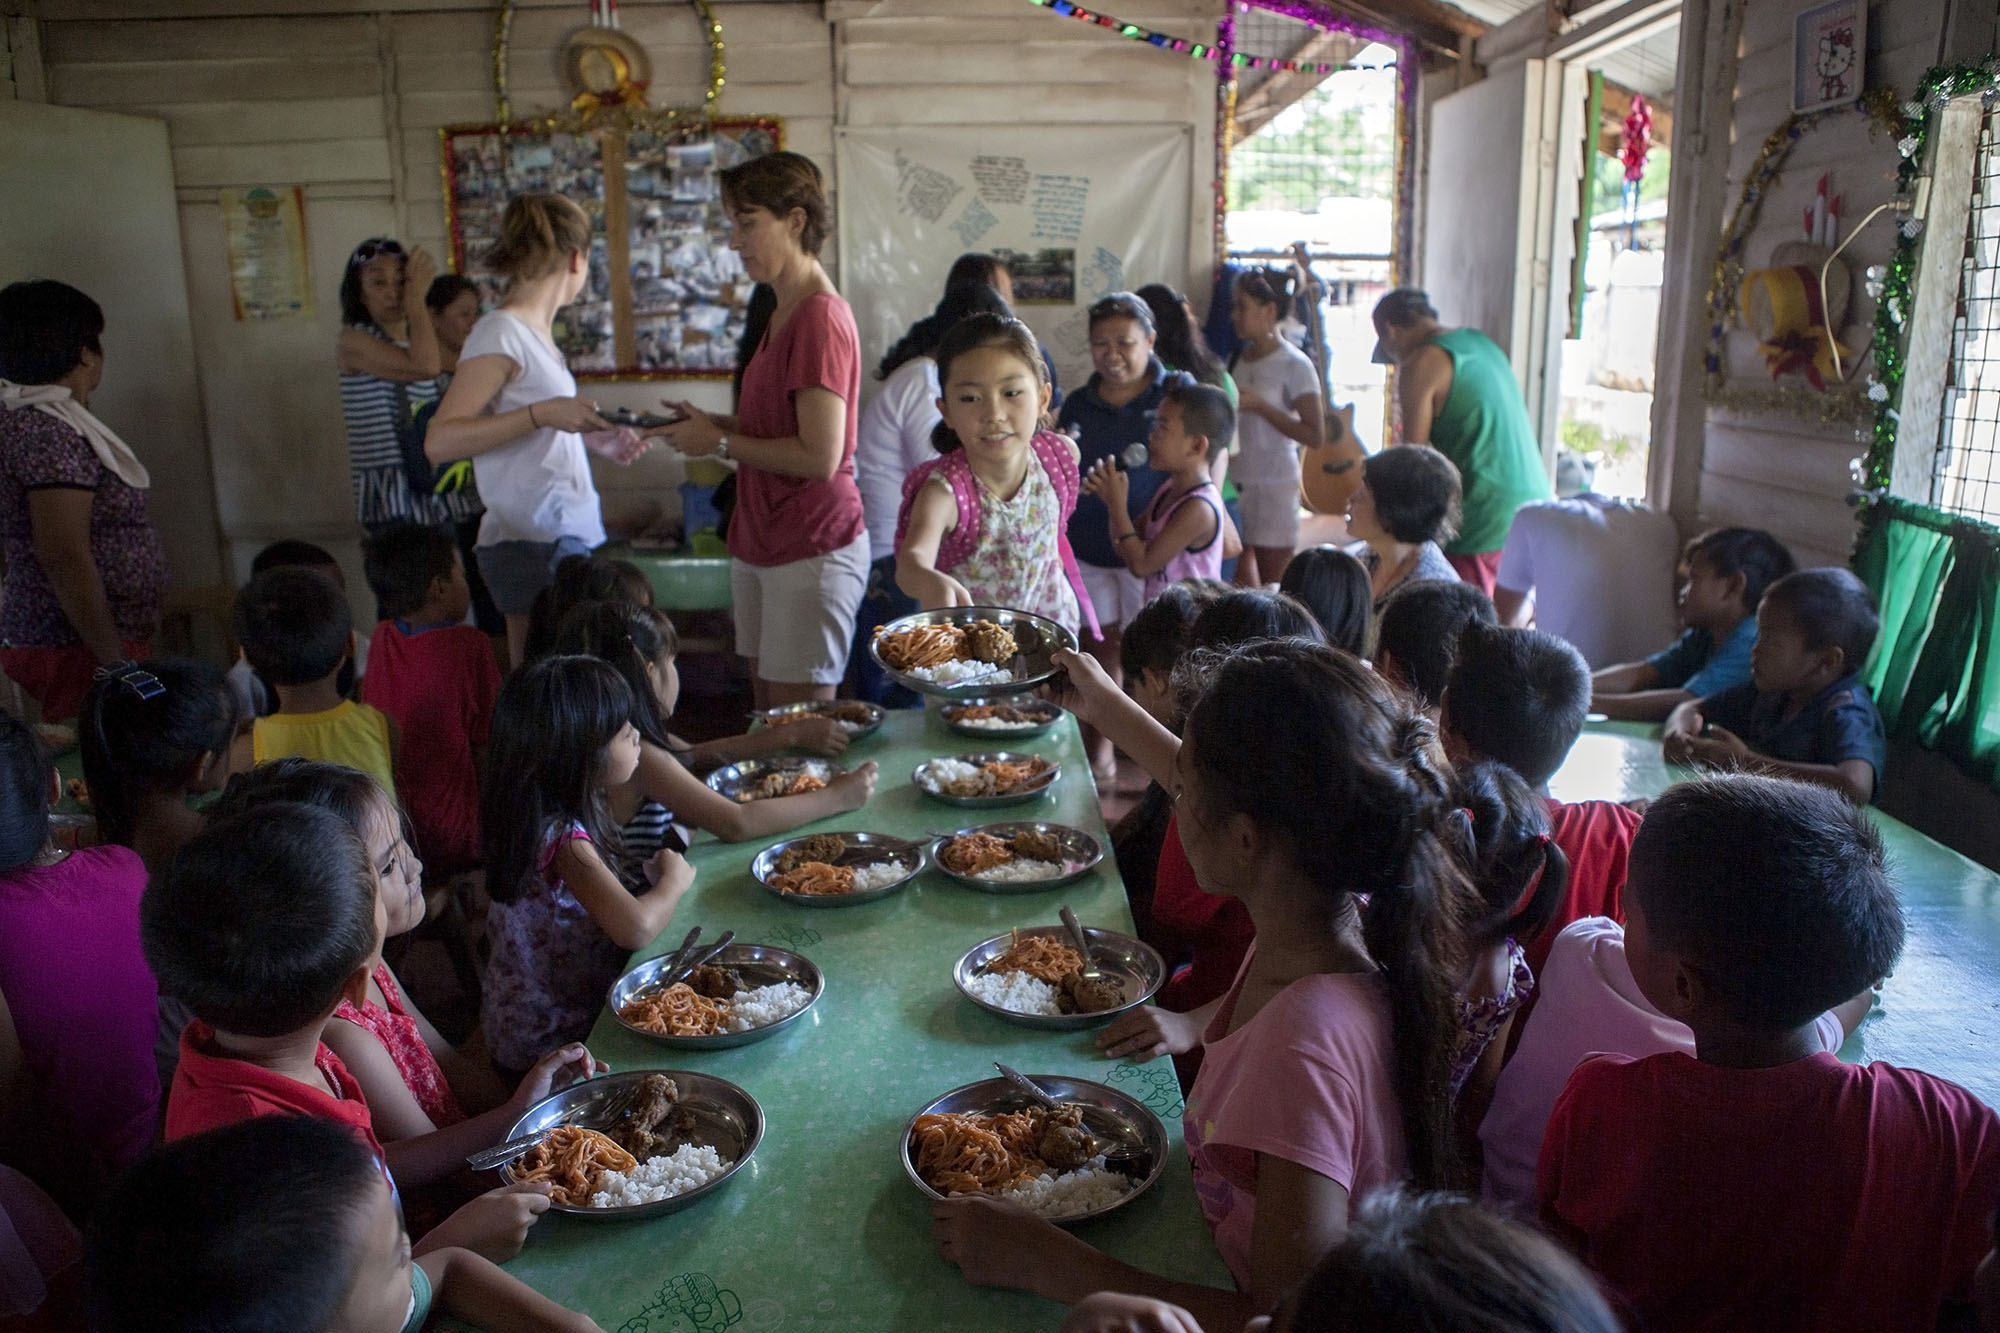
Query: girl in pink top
[[1329, 1059], [1186, 529]]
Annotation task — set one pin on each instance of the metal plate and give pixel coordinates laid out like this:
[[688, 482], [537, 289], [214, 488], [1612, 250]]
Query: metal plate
[[730, 780], [1048, 713], [1108, 1113], [1033, 790], [863, 849], [761, 965], [1035, 637], [1134, 964], [727, 1119], [1081, 853], [824, 707]]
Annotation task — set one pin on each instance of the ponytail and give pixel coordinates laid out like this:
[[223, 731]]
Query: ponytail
[[144, 729], [536, 233], [629, 639], [1518, 870]]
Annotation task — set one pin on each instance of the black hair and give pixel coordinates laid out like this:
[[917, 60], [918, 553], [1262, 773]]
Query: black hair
[[969, 335], [757, 314], [1420, 627], [1510, 852], [294, 625], [960, 300], [144, 728], [1830, 608], [1348, 776], [258, 922], [446, 288], [402, 561], [353, 308], [252, 1228], [1121, 305], [24, 804], [975, 267], [347, 792], [1252, 613], [1518, 696], [1177, 338], [292, 553], [1158, 635], [1268, 286], [579, 579], [45, 328], [545, 771], [1440, 1263], [1752, 552], [1416, 491], [1334, 586], [629, 638], [1404, 307], [1205, 411], [1776, 892]]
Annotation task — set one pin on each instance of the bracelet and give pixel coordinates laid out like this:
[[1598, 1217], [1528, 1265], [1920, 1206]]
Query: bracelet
[[722, 447], [531, 417]]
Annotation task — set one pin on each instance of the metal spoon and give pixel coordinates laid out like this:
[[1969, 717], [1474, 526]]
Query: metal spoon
[[501, 1154], [1091, 971], [1028, 1086], [688, 963], [1112, 1152]]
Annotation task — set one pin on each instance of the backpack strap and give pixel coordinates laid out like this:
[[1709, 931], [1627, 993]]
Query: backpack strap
[[958, 544], [1053, 452]]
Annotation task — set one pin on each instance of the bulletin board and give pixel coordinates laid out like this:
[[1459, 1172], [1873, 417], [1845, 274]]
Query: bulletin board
[[1076, 213], [666, 297]]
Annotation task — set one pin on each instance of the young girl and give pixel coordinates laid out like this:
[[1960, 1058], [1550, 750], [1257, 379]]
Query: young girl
[[1334, 587], [986, 524], [1329, 1059], [417, 1086], [639, 643], [562, 922], [1278, 400], [152, 736], [1182, 533]]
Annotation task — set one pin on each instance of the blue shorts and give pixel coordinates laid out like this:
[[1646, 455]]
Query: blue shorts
[[516, 571]]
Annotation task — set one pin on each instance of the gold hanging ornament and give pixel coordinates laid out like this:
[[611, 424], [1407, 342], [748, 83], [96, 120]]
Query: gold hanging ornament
[[609, 74]]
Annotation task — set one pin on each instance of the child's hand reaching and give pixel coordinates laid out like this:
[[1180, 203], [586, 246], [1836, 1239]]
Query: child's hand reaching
[[556, 1070], [1115, 1312], [1083, 688], [935, 591], [669, 869], [494, 1225], [855, 788], [1107, 483], [997, 1244], [1147, 1033], [1715, 747], [1683, 725], [816, 735]]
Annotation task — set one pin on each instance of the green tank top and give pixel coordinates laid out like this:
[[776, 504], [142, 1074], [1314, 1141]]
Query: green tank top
[[1483, 428]]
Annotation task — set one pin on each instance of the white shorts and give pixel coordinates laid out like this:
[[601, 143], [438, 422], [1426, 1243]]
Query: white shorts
[[1115, 594], [796, 621], [1270, 513]]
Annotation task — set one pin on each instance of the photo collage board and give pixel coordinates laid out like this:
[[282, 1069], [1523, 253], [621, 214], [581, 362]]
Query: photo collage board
[[666, 297]]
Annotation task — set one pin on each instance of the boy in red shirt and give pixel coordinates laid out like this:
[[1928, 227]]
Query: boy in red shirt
[[1759, 1182]]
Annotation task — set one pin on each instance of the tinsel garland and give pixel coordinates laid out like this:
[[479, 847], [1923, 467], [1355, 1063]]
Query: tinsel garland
[[1166, 41]]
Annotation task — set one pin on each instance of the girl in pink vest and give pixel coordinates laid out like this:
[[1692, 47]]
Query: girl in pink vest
[[984, 524], [1185, 529]]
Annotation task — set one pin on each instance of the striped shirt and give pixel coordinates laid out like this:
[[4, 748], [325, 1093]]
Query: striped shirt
[[382, 493], [650, 828]]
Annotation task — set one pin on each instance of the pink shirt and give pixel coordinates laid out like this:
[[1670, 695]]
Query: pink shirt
[[1307, 1079], [1589, 1005], [778, 519], [1194, 562]]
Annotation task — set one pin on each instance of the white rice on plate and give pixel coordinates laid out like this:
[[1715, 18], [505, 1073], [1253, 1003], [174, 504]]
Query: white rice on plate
[[688, 1167], [996, 724], [960, 673], [1022, 871], [1084, 1190], [878, 875], [1016, 992], [765, 1005], [939, 774]]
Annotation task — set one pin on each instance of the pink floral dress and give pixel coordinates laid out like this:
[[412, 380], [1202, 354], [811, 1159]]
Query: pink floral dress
[[551, 965]]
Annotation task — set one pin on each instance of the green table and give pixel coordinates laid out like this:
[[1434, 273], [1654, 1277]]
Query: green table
[[1940, 1012], [680, 582], [823, 1228]]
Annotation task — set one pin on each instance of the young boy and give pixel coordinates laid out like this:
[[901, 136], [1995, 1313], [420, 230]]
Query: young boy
[[1415, 636], [1760, 1183], [254, 696], [295, 630], [436, 678], [1727, 571], [1805, 713], [1185, 526], [282, 1222]]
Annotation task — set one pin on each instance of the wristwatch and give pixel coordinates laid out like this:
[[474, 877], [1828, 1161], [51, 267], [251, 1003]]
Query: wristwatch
[[722, 447]]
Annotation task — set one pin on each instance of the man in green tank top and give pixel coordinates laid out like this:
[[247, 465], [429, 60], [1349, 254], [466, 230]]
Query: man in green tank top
[[1458, 395]]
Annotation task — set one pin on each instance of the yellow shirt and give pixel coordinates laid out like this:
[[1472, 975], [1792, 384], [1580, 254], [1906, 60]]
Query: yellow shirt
[[352, 734]]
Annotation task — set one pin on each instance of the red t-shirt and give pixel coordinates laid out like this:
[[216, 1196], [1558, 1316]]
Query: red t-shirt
[[1212, 932], [439, 685], [211, 1091], [782, 519], [1810, 1196], [1596, 836]]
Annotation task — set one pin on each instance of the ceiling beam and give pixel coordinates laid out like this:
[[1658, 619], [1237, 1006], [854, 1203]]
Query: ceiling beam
[[1285, 87]]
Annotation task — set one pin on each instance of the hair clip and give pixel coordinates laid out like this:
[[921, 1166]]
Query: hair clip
[[133, 677]]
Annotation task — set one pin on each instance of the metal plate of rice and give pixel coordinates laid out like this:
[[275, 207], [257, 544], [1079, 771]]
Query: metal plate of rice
[[1081, 853], [1036, 640], [926, 773], [855, 726], [863, 849], [759, 964], [1041, 712], [1134, 964], [735, 779]]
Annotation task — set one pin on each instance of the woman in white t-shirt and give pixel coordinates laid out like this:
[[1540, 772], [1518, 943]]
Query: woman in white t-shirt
[[512, 409], [1278, 409]]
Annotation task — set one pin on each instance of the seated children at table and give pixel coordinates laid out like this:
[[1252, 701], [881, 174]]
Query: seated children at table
[[283, 1222], [1805, 713], [1417, 634], [1183, 530], [1333, 585], [1725, 572], [77, 1001], [152, 736], [295, 630], [562, 922], [253, 694], [580, 579], [1323, 1080], [1761, 1183]]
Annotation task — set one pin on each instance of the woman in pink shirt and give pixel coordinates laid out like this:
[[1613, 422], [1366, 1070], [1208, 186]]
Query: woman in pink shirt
[[1322, 1081]]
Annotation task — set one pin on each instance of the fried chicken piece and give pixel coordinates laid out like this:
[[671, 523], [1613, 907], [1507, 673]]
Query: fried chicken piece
[[715, 983], [986, 641], [1032, 846], [654, 1101], [1074, 995], [827, 847], [1062, 1142]]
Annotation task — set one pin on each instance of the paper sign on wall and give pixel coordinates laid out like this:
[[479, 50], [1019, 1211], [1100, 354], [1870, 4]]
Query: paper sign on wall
[[265, 233]]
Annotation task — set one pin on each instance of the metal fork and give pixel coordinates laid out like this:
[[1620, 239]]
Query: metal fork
[[1091, 971]]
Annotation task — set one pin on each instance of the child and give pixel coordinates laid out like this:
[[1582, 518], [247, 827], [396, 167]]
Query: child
[[639, 643], [1279, 408], [986, 523], [562, 922], [283, 1222], [1726, 573], [254, 695], [436, 678], [294, 628], [1323, 1082], [77, 1002], [152, 736], [1418, 631], [580, 579], [1183, 527], [1334, 587], [1760, 1182], [1804, 713]]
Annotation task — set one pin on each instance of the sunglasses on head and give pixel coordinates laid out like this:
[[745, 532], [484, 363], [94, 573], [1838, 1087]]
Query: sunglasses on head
[[368, 250]]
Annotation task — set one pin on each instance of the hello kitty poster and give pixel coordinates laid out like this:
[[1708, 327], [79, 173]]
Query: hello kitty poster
[[1829, 54]]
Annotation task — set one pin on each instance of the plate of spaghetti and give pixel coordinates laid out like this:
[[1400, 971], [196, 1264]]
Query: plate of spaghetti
[[638, 1144], [1020, 856], [745, 993], [762, 779], [837, 869], [977, 781], [1000, 718], [960, 651], [1032, 975], [987, 1138]]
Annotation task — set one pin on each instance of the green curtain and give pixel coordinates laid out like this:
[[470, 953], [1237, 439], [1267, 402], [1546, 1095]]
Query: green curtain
[[1935, 672]]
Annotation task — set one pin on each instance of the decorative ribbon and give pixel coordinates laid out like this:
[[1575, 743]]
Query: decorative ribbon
[[1800, 342]]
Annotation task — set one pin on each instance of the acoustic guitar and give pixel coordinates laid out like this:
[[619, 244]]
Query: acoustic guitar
[[1330, 471]]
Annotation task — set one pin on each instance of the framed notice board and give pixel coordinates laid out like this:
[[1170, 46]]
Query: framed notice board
[[666, 298]]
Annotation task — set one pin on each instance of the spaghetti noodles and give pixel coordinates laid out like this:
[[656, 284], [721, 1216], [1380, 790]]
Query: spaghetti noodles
[[1040, 956], [923, 646], [572, 1160], [815, 879], [975, 1154], [974, 853], [677, 1011], [1012, 775]]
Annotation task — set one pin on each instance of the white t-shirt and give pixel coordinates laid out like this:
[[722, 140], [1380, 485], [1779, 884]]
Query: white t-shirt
[[538, 487], [1602, 572], [1266, 456], [893, 436]]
